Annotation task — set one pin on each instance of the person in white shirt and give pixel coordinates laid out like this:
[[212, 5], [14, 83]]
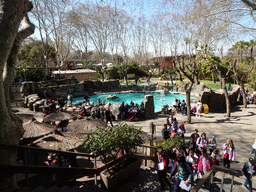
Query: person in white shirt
[[198, 108]]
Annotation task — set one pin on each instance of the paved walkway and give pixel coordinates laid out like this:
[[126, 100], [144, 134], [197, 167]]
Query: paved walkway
[[240, 127]]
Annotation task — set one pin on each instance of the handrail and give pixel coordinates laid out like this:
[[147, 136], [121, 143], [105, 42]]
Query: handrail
[[75, 170], [146, 146], [209, 173], [47, 150]]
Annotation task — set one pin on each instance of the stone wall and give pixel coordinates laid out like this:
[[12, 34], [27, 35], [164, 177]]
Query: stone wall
[[216, 99], [68, 86], [149, 106]]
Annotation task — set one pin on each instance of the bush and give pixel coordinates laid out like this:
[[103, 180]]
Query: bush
[[106, 142], [171, 143]]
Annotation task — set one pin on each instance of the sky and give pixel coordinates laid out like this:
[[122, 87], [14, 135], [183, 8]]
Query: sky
[[149, 8]]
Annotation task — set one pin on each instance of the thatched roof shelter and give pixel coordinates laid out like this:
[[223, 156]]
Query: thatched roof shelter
[[35, 129], [85, 126], [58, 116], [56, 142], [25, 117]]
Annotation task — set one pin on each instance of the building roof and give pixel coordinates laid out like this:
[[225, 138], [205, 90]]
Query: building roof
[[74, 71]]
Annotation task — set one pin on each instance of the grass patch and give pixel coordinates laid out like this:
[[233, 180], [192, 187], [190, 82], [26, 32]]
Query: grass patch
[[130, 81], [211, 84]]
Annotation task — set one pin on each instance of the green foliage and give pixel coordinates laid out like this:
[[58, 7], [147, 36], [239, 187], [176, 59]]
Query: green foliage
[[107, 141], [32, 54], [135, 69], [31, 74], [171, 143], [112, 72]]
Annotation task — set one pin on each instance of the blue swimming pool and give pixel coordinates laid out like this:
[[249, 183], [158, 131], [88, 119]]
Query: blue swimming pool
[[159, 100]]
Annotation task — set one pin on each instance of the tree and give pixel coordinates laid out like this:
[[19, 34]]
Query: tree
[[55, 26], [190, 71], [33, 54], [240, 73], [101, 69], [157, 65], [13, 14], [123, 71], [222, 71]]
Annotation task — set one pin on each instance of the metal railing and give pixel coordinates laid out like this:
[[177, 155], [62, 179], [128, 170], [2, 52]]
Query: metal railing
[[210, 174]]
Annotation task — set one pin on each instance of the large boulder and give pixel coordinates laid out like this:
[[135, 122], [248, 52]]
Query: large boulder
[[115, 110], [216, 99], [149, 107]]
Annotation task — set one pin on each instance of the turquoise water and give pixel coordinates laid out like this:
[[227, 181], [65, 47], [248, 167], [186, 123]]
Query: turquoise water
[[159, 100]]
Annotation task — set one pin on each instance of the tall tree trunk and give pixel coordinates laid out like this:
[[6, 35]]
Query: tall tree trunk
[[244, 96], [188, 107], [228, 106], [188, 88], [12, 12]]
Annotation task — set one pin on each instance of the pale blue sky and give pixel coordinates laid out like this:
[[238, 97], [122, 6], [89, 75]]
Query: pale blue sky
[[149, 8]]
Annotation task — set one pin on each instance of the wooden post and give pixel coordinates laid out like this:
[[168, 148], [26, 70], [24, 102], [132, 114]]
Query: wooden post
[[152, 130], [232, 183], [211, 189], [95, 175], [146, 161], [222, 182]]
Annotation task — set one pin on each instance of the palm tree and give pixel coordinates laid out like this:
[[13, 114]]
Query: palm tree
[[252, 44], [240, 46]]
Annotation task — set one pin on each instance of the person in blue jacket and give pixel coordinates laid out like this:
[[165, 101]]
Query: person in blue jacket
[[248, 171]]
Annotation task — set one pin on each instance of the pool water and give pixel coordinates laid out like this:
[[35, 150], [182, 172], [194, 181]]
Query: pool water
[[159, 100]]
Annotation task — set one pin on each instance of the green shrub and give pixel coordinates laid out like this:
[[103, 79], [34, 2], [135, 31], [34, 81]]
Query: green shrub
[[106, 142], [171, 143]]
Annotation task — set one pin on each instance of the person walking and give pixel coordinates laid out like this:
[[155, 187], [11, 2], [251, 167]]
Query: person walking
[[198, 108], [108, 117], [185, 174], [248, 170], [202, 142], [228, 152], [161, 162], [165, 132], [212, 144]]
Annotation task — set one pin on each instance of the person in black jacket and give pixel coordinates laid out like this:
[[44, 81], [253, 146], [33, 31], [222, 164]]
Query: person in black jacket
[[248, 171], [165, 132], [108, 117]]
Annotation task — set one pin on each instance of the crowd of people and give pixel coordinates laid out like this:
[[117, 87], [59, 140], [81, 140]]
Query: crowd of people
[[131, 111], [190, 162]]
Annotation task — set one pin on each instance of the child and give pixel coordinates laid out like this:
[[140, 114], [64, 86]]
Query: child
[[161, 166], [172, 163], [228, 152], [202, 142], [212, 144], [193, 161], [192, 144], [184, 173], [174, 124], [248, 171], [197, 153], [204, 163], [216, 156], [178, 150], [195, 136], [254, 151], [174, 134], [181, 130]]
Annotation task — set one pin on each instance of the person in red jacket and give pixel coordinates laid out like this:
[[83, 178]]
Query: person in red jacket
[[161, 166]]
